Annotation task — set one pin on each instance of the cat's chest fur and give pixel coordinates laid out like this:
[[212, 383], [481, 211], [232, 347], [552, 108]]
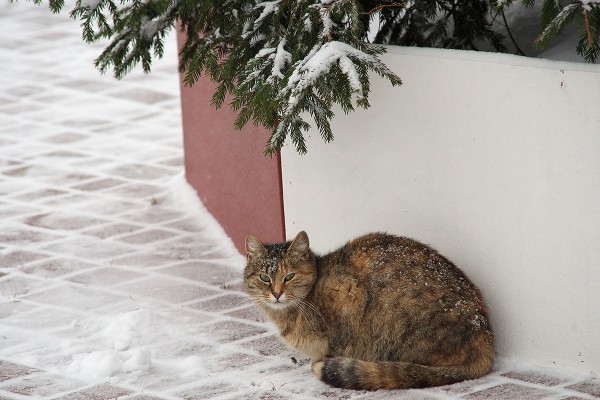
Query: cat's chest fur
[[335, 308], [305, 332]]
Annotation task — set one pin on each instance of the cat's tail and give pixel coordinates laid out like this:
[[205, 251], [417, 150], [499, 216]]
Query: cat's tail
[[349, 373]]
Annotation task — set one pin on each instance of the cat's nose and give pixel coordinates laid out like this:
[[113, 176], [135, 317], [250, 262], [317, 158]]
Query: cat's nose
[[276, 295]]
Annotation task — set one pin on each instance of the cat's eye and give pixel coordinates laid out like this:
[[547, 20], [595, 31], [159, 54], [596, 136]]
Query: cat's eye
[[264, 278], [289, 277]]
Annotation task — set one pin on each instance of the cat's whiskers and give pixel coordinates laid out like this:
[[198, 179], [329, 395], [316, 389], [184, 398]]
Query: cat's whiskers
[[312, 309], [312, 320], [310, 313], [315, 309]]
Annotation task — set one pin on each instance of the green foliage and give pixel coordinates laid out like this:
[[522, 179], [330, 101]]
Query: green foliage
[[589, 41], [459, 24], [556, 17], [136, 30], [280, 61], [264, 57]]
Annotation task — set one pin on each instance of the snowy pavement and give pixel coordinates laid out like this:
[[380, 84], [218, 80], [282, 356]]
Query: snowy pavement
[[114, 280]]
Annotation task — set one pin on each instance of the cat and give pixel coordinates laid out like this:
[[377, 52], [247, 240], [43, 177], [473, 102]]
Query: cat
[[382, 312]]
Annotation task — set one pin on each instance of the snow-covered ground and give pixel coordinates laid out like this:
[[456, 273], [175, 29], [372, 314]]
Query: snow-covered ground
[[114, 280]]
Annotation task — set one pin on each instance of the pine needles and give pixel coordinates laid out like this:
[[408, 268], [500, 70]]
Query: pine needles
[[282, 62]]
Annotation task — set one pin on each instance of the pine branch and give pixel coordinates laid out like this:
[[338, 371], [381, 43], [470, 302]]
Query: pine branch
[[279, 60], [308, 67], [554, 20], [282, 61], [589, 43], [588, 30]]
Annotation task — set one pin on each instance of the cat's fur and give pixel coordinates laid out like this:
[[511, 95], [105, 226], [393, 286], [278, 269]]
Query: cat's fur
[[380, 312]]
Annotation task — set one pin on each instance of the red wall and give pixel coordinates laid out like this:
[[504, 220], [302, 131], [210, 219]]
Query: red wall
[[238, 184]]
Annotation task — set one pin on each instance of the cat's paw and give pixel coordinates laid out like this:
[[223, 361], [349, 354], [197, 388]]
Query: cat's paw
[[317, 367]]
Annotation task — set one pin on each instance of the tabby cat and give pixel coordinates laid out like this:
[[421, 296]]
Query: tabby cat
[[381, 312]]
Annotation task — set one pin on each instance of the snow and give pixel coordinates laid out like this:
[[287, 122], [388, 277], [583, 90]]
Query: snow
[[588, 4], [320, 60], [281, 59], [307, 23], [514, 364], [96, 365], [149, 27], [347, 67], [269, 7], [265, 52], [123, 344], [183, 196], [327, 23], [96, 315], [561, 17]]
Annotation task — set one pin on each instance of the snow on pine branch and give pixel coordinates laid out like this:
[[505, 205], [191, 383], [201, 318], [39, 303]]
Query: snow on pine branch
[[557, 24], [268, 8], [150, 27], [555, 18], [315, 58], [320, 61], [328, 24], [280, 59], [588, 4]]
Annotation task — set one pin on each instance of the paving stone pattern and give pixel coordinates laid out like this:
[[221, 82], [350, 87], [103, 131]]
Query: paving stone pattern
[[90, 232]]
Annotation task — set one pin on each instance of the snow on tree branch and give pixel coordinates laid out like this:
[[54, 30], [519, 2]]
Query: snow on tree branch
[[588, 4], [279, 60], [555, 19], [307, 72], [284, 61], [298, 58]]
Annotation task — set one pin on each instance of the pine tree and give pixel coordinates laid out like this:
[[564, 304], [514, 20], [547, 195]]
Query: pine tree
[[281, 60], [556, 16], [458, 24]]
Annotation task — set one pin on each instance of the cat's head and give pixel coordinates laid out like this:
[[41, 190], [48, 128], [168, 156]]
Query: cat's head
[[279, 275]]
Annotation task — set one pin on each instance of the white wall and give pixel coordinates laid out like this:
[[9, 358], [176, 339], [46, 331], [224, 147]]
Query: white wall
[[492, 159]]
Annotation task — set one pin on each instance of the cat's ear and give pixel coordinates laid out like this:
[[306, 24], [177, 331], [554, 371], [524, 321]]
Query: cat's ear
[[254, 247], [300, 246]]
